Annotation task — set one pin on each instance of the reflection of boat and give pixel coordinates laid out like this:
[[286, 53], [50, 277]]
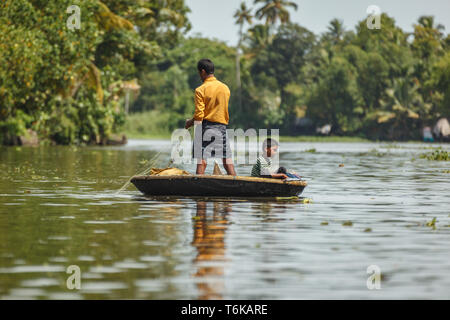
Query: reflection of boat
[[217, 186]]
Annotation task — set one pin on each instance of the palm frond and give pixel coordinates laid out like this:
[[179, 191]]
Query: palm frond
[[109, 20]]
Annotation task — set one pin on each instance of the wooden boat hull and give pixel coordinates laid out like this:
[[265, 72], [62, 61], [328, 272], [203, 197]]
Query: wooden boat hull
[[217, 186]]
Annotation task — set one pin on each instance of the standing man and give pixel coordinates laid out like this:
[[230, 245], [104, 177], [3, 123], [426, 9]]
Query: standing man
[[211, 110]]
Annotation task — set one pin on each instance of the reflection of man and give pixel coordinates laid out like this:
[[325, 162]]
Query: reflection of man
[[209, 239], [211, 109]]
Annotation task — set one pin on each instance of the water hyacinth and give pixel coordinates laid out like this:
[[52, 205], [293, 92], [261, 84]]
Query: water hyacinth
[[436, 155]]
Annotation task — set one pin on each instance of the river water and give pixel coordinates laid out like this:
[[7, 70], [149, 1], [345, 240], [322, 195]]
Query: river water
[[59, 207]]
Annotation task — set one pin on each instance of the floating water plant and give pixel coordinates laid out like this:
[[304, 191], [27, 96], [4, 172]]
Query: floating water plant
[[436, 155], [295, 198], [432, 223], [287, 198], [392, 146], [376, 153]]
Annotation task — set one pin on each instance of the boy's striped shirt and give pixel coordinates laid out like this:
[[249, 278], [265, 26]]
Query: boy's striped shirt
[[263, 167]]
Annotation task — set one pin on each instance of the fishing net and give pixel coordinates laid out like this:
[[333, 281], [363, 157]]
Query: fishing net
[[168, 172]]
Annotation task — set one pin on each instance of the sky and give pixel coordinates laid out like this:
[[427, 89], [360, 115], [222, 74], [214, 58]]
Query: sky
[[214, 18]]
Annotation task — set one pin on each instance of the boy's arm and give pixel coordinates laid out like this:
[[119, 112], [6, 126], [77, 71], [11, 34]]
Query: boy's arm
[[275, 176], [267, 173], [279, 176], [264, 172]]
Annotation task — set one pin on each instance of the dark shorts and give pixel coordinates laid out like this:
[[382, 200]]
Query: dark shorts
[[213, 141]]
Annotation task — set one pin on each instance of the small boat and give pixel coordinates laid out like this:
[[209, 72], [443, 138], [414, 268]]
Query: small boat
[[216, 186]]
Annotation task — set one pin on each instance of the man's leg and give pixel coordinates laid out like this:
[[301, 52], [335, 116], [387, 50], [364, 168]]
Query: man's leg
[[201, 166], [229, 167], [227, 157]]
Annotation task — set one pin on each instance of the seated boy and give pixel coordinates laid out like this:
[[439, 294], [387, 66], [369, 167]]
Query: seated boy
[[263, 167]]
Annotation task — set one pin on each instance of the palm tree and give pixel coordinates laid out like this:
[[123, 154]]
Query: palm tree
[[258, 38], [427, 38], [91, 76], [274, 10], [242, 15], [428, 22], [336, 30], [402, 105]]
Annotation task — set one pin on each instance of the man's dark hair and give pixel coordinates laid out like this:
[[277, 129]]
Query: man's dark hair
[[207, 65], [269, 143]]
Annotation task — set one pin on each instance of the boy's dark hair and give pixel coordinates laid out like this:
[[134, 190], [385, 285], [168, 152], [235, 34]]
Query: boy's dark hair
[[269, 143], [207, 65]]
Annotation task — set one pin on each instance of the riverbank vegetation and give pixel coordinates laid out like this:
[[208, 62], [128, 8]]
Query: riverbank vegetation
[[70, 85], [132, 68]]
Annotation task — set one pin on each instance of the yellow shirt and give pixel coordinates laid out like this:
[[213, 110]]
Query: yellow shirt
[[211, 101]]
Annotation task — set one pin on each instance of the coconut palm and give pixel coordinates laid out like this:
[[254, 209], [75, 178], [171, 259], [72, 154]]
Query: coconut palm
[[336, 30], [91, 75], [258, 38], [401, 105], [274, 10], [242, 15], [427, 38], [428, 22]]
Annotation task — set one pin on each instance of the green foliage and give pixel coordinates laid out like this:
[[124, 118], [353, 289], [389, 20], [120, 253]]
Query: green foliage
[[150, 123], [439, 85], [373, 83], [71, 86], [385, 92], [335, 98], [285, 56], [169, 86], [273, 10], [68, 85], [436, 155]]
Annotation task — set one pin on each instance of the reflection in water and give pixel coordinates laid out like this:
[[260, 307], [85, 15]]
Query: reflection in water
[[59, 207], [209, 240]]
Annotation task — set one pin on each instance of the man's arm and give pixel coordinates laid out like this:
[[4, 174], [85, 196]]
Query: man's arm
[[199, 109]]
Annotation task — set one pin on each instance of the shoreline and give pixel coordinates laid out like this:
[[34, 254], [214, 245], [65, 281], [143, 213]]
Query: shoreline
[[302, 138]]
